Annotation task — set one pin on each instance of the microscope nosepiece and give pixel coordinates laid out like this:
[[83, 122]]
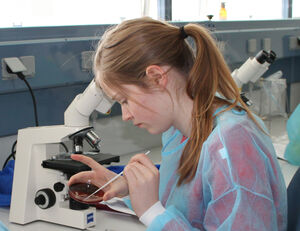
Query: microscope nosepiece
[[93, 139]]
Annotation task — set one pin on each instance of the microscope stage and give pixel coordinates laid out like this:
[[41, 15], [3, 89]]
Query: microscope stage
[[70, 166]]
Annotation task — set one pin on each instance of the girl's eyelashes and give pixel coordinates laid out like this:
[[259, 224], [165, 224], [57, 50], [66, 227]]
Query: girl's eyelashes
[[123, 101]]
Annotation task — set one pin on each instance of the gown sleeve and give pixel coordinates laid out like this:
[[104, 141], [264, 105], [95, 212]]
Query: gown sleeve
[[244, 184]]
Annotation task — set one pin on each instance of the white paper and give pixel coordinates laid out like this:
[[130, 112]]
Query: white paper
[[280, 144], [118, 205]]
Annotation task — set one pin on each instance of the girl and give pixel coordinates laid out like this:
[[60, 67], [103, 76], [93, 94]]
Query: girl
[[219, 169]]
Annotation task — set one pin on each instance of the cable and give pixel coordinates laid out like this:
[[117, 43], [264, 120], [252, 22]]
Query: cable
[[279, 158], [13, 147], [65, 147], [12, 155], [7, 159], [22, 77]]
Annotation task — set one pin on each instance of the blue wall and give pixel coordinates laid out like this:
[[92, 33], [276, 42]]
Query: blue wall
[[59, 77]]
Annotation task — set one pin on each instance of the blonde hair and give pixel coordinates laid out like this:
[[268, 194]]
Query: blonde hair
[[125, 51]]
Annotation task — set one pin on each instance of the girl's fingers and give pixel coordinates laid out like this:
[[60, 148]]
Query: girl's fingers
[[144, 160], [130, 175], [137, 173], [109, 195], [142, 171], [139, 170], [86, 160]]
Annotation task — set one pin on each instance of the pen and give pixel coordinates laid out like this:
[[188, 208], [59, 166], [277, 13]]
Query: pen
[[110, 181]]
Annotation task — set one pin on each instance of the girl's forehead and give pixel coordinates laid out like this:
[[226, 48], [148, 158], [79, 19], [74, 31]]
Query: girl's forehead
[[107, 90], [120, 91]]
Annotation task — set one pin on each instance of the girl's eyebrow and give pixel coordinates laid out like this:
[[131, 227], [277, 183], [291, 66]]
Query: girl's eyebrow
[[115, 96]]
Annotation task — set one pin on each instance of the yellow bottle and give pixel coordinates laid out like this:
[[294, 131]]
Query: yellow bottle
[[223, 12]]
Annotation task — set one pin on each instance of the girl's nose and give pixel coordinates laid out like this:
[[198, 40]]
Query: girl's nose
[[126, 115]]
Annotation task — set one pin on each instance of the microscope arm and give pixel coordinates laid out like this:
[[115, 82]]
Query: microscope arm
[[79, 111]]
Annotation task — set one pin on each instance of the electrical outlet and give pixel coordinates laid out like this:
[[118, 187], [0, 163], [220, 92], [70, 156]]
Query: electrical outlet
[[294, 43], [221, 45], [87, 60], [251, 46], [28, 62], [266, 44]]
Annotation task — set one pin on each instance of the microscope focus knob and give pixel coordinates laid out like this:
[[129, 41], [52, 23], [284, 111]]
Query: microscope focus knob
[[58, 187], [45, 198]]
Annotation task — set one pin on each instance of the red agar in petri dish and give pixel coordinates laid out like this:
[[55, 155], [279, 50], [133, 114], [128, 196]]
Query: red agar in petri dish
[[80, 191]]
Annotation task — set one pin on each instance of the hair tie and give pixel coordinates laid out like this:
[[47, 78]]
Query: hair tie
[[183, 34]]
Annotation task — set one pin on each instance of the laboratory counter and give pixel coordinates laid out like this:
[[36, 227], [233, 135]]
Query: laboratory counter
[[110, 221]]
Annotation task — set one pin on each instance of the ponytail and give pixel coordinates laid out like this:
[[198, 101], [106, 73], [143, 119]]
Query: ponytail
[[208, 76]]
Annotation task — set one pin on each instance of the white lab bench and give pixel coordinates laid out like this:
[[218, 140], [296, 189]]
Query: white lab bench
[[106, 221]]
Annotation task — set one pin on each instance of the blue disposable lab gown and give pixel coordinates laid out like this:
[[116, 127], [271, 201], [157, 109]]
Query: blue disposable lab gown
[[238, 184], [292, 151], [2, 227]]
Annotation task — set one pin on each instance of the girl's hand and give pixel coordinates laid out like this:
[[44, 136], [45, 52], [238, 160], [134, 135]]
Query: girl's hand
[[98, 176], [143, 182]]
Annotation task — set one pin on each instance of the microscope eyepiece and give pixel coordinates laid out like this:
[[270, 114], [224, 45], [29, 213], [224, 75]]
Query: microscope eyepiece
[[262, 56], [271, 57]]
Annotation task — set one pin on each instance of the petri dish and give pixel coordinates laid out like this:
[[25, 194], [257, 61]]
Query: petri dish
[[80, 191]]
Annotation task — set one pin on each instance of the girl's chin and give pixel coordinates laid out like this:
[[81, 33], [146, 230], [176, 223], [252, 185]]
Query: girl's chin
[[154, 131]]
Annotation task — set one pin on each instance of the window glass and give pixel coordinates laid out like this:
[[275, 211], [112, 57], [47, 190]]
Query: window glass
[[29, 13], [194, 10], [296, 9]]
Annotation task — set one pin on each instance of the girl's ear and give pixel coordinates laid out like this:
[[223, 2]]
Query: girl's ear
[[157, 75]]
